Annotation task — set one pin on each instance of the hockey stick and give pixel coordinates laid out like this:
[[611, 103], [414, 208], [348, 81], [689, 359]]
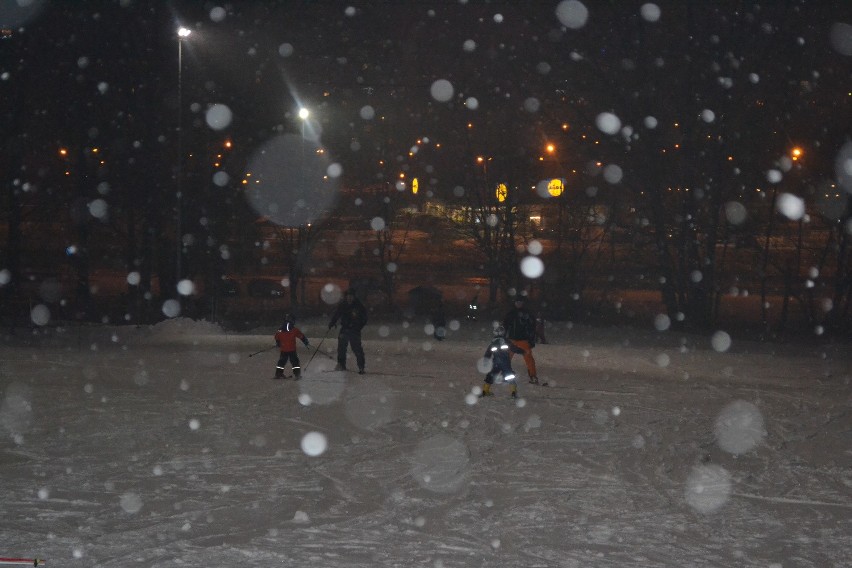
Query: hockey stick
[[305, 368], [262, 351], [324, 354]]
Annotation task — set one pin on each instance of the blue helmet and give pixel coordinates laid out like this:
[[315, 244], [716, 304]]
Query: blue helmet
[[289, 322]]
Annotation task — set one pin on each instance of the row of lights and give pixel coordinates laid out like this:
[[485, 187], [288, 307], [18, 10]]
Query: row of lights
[[554, 188]]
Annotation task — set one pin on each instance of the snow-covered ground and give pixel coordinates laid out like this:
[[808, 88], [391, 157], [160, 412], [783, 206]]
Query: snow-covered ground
[[170, 446]]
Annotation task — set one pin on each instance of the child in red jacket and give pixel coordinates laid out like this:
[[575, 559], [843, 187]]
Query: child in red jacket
[[285, 339]]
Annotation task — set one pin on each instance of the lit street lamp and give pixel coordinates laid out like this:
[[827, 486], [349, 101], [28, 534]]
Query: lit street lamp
[[796, 153], [555, 186], [483, 161], [182, 34], [304, 114]]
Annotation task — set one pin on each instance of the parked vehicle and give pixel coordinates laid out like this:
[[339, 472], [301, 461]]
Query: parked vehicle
[[266, 289], [228, 287]]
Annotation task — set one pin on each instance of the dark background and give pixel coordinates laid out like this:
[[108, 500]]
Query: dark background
[[100, 81]]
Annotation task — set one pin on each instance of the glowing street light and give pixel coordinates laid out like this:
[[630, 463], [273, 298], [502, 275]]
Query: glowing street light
[[304, 114], [483, 161], [555, 186], [796, 153]]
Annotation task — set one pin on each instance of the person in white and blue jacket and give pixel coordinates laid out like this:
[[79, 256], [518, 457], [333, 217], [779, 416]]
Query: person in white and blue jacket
[[498, 351]]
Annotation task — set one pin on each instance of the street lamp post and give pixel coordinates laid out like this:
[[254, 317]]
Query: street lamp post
[[555, 184], [303, 229], [304, 114], [483, 161], [182, 34]]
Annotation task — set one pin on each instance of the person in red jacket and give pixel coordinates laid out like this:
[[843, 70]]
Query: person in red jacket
[[285, 339]]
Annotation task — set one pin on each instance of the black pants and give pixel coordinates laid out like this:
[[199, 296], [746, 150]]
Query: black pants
[[282, 362], [346, 338]]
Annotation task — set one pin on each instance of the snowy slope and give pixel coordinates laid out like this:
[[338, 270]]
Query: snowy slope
[[170, 446]]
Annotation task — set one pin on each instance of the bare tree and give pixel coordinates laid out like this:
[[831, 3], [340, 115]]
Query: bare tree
[[488, 216], [296, 246]]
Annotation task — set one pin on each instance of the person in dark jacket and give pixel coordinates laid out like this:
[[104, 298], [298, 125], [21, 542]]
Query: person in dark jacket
[[473, 308], [499, 351], [285, 339], [439, 322], [352, 316], [520, 330]]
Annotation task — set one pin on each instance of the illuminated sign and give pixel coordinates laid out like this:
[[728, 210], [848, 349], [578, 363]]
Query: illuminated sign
[[502, 192], [414, 186], [555, 187]]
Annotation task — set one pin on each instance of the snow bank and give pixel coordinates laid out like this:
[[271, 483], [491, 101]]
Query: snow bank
[[179, 327], [178, 331]]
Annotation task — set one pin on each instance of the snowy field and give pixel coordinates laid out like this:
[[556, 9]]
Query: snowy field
[[170, 446]]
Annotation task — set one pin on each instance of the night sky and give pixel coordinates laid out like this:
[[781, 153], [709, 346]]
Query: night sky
[[111, 69]]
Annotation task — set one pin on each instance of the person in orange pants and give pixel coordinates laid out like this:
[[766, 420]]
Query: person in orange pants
[[520, 330]]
